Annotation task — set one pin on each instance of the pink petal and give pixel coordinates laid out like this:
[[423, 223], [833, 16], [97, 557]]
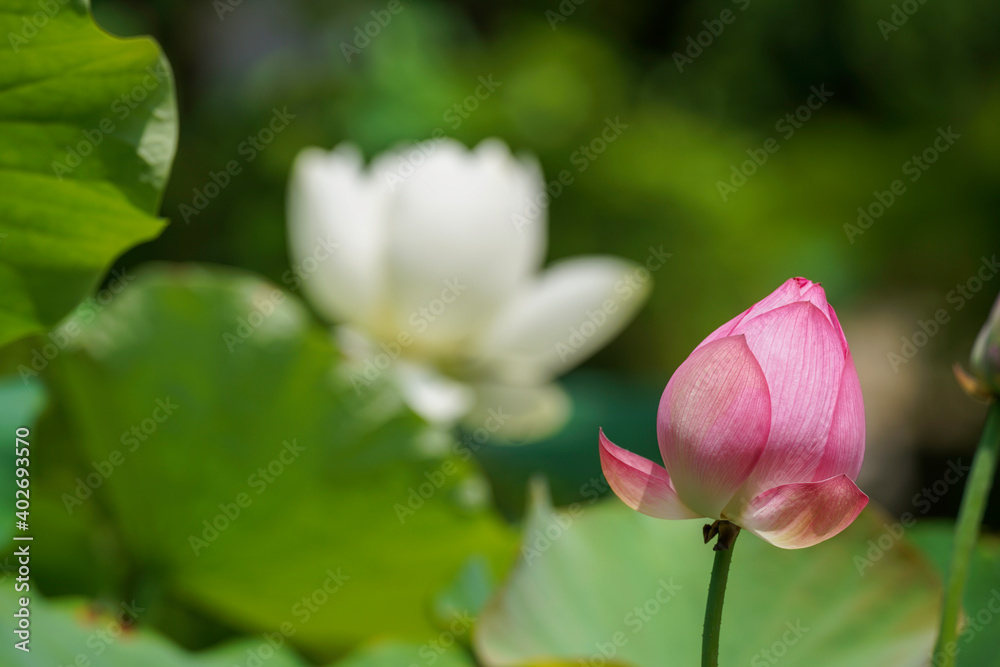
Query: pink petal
[[795, 516], [791, 291], [836, 324], [816, 295], [802, 359], [845, 448], [640, 483], [713, 423]]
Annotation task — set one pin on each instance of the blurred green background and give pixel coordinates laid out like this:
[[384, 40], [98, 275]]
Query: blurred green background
[[559, 71]]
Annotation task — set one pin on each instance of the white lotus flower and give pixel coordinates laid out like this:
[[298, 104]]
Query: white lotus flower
[[434, 275]]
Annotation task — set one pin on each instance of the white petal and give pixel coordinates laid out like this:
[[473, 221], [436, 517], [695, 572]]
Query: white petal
[[453, 223], [336, 227], [435, 397], [571, 311], [356, 345], [517, 415]]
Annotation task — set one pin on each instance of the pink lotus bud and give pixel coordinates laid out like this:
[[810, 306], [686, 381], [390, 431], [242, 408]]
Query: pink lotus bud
[[762, 425]]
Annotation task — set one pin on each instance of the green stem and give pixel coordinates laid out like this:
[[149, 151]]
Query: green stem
[[716, 596], [970, 516]]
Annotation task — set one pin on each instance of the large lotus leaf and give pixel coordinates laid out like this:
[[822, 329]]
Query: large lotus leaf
[[602, 582], [395, 654], [89, 131], [244, 471], [73, 632], [439, 651]]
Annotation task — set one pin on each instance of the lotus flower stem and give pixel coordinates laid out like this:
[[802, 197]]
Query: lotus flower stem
[[970, 516], [717, 592]]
